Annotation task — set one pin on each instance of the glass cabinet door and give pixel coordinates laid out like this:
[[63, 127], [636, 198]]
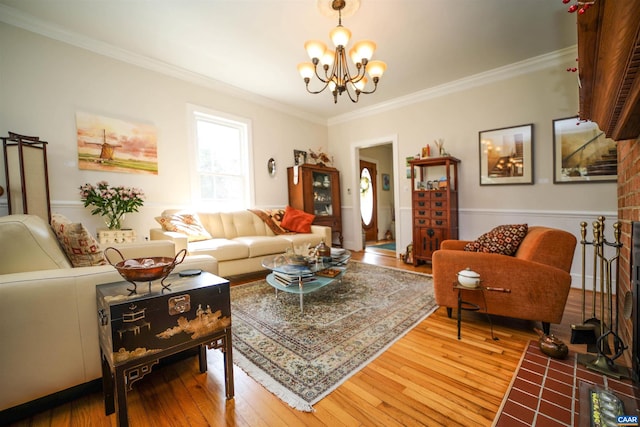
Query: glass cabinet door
[[322, 199]]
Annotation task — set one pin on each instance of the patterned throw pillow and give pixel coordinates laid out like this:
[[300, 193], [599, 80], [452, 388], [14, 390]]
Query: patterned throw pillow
[[273, 219], [503, 239], [297, 220], [81, 247], [186, 223]]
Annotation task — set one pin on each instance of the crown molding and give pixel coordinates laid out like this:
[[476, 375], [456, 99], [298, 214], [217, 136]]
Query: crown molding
[[558, 58], [11, 16]]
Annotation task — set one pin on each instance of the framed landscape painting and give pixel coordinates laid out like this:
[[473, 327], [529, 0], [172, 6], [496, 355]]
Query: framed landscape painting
[[582, 153], [506, 155], [114, 145]]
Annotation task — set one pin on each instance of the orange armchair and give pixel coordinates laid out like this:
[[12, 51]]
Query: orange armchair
[[538, 276]]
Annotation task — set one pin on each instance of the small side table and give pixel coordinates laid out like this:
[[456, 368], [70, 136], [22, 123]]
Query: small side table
[[464, 305]]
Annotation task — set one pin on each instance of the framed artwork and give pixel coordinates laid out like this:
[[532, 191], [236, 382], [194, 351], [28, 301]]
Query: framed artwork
[[407, 160], [582, 153], [386, 182], [114, 145], [299, 157], [506, 155]]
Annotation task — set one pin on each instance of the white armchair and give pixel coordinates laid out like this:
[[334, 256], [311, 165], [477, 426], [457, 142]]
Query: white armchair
[[48, 320]]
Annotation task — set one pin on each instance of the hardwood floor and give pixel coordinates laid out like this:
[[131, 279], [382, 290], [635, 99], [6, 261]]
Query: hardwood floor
[[428, 377]]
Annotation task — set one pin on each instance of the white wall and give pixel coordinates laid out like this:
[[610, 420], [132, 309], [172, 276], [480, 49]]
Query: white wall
[[44, 82], [457, 115]]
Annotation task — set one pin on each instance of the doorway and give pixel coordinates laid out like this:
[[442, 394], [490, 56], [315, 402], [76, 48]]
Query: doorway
[[377, 198]]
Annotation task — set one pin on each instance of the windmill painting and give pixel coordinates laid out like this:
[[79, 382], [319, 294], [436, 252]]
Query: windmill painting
[[115, 145]]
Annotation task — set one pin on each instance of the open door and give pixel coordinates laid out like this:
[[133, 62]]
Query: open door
[[369, 200]]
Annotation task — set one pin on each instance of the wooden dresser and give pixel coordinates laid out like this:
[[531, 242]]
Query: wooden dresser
[[434, 199], [316, 190]]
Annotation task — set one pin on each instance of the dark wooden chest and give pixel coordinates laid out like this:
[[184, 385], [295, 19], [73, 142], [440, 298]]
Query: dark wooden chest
[[155, 319]]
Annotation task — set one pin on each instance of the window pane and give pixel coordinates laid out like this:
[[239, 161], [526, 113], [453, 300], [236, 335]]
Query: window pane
[[366, 197], [221, 165]]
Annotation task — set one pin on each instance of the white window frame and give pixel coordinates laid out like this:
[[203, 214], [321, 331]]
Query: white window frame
[[195, 112]]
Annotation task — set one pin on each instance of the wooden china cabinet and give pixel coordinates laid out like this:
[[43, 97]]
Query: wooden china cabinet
[[316, 189], [434, 200]]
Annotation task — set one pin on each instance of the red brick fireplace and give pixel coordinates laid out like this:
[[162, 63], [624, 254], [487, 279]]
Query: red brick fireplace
[[628, 212]]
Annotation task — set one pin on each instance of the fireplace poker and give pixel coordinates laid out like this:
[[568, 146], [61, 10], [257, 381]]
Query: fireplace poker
[[583, 333]]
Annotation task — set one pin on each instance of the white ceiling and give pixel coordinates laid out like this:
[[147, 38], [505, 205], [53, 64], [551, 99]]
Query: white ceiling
[[255, 45]]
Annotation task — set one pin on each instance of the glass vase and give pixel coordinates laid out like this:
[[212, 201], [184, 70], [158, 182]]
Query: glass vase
[[114, 222]]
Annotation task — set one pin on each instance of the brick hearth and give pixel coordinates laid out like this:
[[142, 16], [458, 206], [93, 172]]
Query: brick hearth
[[546, 391]]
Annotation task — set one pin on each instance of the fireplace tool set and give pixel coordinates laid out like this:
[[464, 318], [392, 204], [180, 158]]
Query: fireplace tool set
[[600, 334]]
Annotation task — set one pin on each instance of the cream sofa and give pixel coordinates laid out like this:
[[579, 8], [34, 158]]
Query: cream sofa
[[241, 239], [48, 320]]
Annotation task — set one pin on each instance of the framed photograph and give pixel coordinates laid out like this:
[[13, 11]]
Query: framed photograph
[[299, 157], [407, 160], [582, 153], [506, 155], [386, 182]]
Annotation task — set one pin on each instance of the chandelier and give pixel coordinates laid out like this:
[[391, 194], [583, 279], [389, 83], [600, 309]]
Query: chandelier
[[341, 79]]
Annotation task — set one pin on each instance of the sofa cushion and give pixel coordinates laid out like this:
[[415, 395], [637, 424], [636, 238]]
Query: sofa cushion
[[503, 239], [300, 239], [186, 223], [297, 220], [80, 246], [220, 249], [260, 246]]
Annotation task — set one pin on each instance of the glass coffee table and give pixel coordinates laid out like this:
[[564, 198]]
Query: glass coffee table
[[305, 278]]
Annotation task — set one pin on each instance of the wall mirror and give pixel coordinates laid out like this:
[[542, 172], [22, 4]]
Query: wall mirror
[[271, 166]]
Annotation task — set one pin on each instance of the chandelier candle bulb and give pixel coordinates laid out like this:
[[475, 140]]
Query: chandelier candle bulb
[[315, 49], [340, 36], [364, 50]]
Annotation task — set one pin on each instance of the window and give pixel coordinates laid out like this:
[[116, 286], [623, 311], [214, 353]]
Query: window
[[222, 178]]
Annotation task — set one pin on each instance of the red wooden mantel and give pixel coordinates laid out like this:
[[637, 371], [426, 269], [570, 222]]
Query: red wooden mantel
[[609, 66]]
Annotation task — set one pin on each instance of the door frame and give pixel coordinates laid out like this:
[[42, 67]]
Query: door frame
[[355, 183]]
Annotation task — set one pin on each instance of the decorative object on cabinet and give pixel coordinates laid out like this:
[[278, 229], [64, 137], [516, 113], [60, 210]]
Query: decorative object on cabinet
[[27, 176], [317, 191], [299, 157], [582, 153], [320, 158], [434, 194], [440, 145], [506, 155]]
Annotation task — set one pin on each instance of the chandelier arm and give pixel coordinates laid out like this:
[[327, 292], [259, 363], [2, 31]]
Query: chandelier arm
[[317, 91], [357, 95], [375, 86]]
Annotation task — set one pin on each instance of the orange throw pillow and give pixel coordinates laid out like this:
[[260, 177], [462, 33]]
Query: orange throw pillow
[[297, 220]]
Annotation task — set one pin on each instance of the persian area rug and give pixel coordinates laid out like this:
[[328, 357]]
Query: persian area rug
[[302, 357]]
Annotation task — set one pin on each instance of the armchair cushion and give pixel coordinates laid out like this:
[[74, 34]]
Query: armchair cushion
[[503, 240], [80, 246]]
